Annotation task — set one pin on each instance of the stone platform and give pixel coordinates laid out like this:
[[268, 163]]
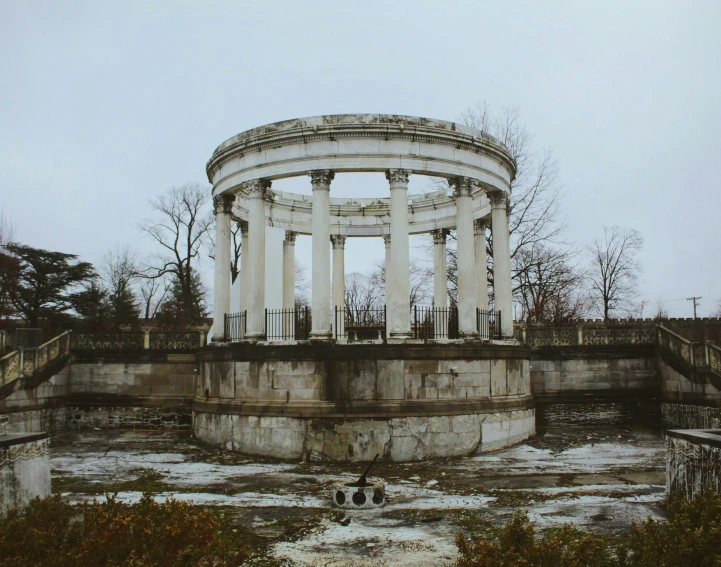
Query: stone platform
[[348, 402]]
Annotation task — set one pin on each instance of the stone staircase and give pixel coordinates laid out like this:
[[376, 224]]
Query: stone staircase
[[25, 368]]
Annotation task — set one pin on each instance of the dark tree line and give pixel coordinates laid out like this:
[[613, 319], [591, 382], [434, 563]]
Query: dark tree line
[[57, 290]]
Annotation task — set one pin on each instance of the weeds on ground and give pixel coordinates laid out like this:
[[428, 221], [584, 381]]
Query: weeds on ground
[[53, 533], [689, 538]]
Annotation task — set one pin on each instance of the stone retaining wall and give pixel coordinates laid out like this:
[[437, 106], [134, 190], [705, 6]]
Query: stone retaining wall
[[24, 468], [693, 461]]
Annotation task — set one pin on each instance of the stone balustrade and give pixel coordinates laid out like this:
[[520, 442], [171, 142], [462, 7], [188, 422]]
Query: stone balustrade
[[27, 361]]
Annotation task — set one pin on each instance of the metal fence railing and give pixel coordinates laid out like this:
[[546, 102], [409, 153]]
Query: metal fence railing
[[360, 324], [488, 324], [235, 326], [287, 324], [434, 322]]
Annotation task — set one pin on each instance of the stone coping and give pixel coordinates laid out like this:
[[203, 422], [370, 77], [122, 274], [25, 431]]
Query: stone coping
[[371, 409], [338, 351], [12, 439], [710, 437]]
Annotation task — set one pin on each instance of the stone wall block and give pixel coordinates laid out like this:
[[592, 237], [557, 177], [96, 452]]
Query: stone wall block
[[390, 383], [499, 385]]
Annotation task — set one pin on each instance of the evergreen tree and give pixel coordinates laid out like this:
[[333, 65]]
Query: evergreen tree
[[174, 312], [92, 305], [48, 283]]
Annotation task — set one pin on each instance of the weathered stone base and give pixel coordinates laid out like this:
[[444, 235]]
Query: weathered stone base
[[359, 439], [24, 469], [693, 461], [150, 418], [50, 420], [688, 416]]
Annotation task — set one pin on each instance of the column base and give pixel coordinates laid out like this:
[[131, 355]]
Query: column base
[[399, 335], [320, 336], [257, 336], [469, 334]]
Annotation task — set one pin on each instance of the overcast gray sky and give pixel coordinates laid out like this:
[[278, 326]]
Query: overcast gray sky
[[105, 104]]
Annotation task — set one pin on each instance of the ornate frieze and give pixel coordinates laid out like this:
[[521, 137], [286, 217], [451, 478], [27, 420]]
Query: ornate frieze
[[320, 179]]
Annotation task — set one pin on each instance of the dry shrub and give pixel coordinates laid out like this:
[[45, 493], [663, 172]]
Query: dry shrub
[[53, 533], [691, 537]]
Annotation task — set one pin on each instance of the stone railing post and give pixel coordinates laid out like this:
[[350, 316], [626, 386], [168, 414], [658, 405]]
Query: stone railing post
[[579, 334], [524, 334], [146, 340], [21, 362]]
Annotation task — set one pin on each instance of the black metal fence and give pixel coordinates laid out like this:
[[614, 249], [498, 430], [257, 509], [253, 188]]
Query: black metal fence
[[488, 324], [360, 324], [235, 326], [287, 324], [435, 322]]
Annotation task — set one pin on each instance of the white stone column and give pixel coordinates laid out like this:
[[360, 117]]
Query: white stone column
[[221, 286], [466, 258], [479, 244], [320, 301], [398, 287], [244, 266], [388, 268], [255, 298], [289, 283], [338, 242], [501, 261], [440, 282]]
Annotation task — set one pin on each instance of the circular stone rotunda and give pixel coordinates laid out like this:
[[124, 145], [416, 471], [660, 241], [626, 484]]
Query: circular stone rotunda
[[327, 382]]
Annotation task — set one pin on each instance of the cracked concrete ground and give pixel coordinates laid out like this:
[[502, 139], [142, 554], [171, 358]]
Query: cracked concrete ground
[[598, 481]]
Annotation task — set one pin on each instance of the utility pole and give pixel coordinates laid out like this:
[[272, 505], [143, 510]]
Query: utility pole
[[695, 302]]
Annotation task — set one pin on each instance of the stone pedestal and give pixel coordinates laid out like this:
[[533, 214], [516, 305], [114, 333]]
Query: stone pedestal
[[373, 495]]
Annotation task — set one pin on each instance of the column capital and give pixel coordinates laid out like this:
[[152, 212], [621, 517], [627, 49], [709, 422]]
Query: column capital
[[290, 236], [223, 203], [480, 225], [320, 179], [439, 235], [498, 199], [337, 240], [257, 187], [387, 240], [243, 227], [398, 177], [462, 186]]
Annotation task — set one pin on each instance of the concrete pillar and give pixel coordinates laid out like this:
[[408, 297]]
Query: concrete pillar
[[467, 327], [222, 205], [501, 261], [320, 179], [440, 282], [479, 245], [338, 242], [244, 266], [398, 287], [289, 283], [255, 298]]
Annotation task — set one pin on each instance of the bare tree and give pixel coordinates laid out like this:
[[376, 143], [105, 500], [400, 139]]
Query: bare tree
[[153, 292], [533, 213], [235, 249], [9, 268], [615, 269], [302, 286], [119, 270], [550, 285], [180, 229], [362, 293], [421, 282]]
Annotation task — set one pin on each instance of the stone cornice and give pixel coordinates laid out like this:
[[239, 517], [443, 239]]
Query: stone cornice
[[383, 126]]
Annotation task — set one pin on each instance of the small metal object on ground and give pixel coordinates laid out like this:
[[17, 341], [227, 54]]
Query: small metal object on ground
[[360, 494]]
